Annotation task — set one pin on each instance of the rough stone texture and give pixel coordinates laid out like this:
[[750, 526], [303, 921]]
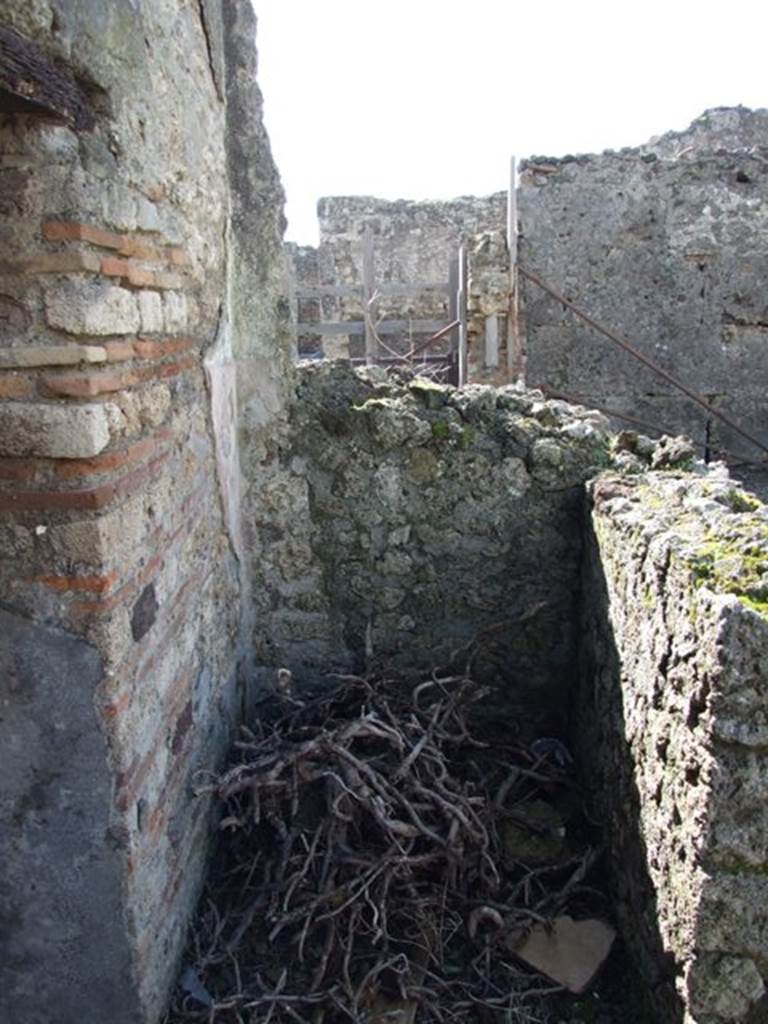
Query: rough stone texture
[[406, 517], [677, 654], [28, 428], [155, 235], [488, 310], [413, 243], [54, 802], [665, 244], [304, 277]]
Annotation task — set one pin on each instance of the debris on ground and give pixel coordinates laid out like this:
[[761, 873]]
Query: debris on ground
[[386, 858]]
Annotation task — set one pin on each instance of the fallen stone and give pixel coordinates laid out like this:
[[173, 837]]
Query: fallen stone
[[567, 951]]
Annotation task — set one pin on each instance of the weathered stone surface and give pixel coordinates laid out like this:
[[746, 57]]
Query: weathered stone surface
[[55, 796], [53, 431], [413, 243], [93, 309], [104, 503], [406, 517], [51, 355], [676, 661], [664, 244]]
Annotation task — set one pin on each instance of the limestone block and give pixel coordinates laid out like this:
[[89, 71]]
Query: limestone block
[[151, 311], [175, 304], [51, 355], [30, 429], [92, 308]]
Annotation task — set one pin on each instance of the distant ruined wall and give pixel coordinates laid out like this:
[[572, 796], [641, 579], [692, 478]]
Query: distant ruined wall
[[665, 244], [413, 242], [134, 283], [673, 727]]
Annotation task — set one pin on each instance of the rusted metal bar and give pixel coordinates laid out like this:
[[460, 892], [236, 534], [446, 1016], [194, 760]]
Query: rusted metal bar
[[461, 303], [622, 343], [402, 359], [589, 403], [435, 337], [326, 327], [371, 346]]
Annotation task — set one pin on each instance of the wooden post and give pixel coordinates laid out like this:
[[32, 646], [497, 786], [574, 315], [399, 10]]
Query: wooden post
[[491, 355], [461, 304], [371, 348], [453, 314], [515, 346]]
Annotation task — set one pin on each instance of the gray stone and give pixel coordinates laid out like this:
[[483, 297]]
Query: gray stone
[[53, 431], [567, 951], [91, 308], [60, 897]]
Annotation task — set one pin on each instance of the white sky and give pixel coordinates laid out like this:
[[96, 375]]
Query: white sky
[[427, 99]]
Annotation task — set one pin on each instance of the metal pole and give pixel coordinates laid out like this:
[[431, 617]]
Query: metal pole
[[371, 349]]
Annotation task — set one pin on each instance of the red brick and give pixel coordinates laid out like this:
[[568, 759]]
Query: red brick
[[88, 384], [111, 266], [18, 469], [177, 256], [140, 278], [71, 231], [12, 385], [171, 369], [182, 727], [67, 469], [128, 783], [90, 498], [116, 707], [62, 263], [148, 349], [118, 351], [188, 514], [141, 250], [92, 584]]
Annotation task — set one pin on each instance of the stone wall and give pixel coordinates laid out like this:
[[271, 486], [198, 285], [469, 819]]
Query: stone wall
[[404, 518], [124, 583], [413, 243], [665, 244], [673, 726]]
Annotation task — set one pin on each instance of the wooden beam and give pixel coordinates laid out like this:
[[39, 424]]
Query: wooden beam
[[371, 346], [491, 342], [461, 303], [316, 291], [395, 288], [30, 83], [453, 316], [385, 327], [515, 341]]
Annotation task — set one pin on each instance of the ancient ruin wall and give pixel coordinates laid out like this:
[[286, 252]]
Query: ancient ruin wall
[[665, 244], [123, 588], [407, 517], [674, 708], [413, 242]]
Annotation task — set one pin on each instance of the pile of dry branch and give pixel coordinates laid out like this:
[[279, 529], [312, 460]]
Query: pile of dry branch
[[364, 873]]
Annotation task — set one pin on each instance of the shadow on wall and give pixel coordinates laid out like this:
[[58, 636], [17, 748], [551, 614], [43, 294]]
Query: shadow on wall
[[606, 760]]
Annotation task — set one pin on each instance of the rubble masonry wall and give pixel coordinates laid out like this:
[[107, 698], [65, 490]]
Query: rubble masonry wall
[[404, 518], [123, 578], [673, 723], [666, 245]]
